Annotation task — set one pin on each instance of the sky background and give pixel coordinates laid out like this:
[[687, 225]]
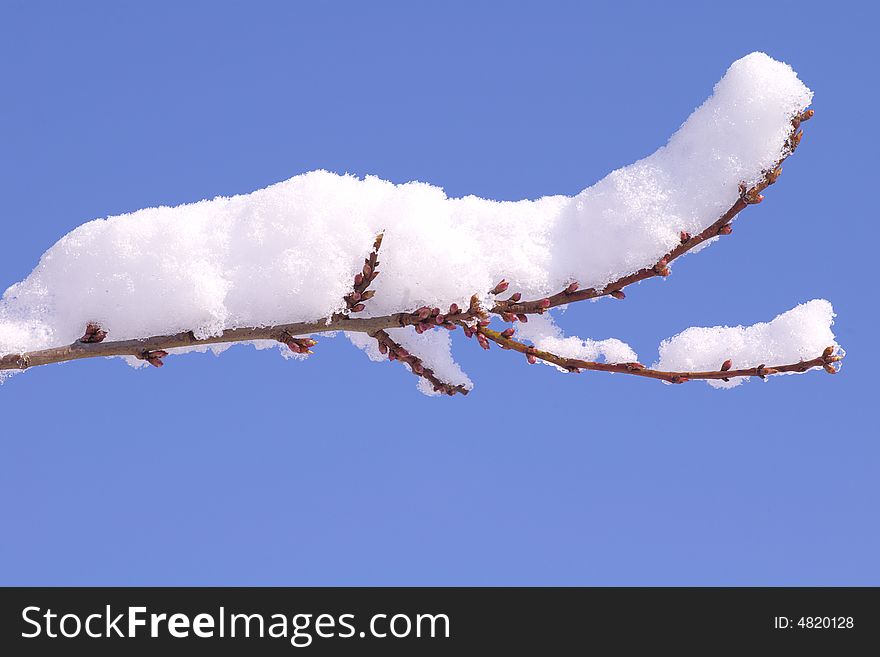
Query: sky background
[[248, 469]]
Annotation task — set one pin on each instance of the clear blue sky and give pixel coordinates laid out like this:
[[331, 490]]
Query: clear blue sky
[[247, 469]]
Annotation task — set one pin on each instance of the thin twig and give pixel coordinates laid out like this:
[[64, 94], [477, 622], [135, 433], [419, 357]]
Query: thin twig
[[394, 350], [513, 308], [506, 341]]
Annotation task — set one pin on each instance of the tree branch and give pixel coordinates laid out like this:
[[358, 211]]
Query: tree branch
[[474, 320], [724, 373], [513, 309]]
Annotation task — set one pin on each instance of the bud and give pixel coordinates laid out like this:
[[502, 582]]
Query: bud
[[515, 297], [357, 307], [508, 317], [633, 367], [424, 312], [806, 115], [797, 139], [355, 296], [155, 362], [367, 270], [508, 333], [617, 294], [369, 294], [453, 309], [726, 229], [726, 365], [684, 236], [484, 343], [358, 279], [373, 275], [418, 369], [572, 287], [531, 359], [294, 347], [419, 329], [501, 287], [544, 303], [829, 351], [829, 368], [449, 326], [383, 348], [439, 319], [522, 318], [663, 271]]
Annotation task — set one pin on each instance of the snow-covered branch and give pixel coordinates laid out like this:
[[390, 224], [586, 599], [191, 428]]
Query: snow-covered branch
[[287, 262]]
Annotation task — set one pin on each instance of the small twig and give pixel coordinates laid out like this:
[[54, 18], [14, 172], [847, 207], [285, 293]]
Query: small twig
[[395, 351], [354, 300], [515, 309], [505, 341]]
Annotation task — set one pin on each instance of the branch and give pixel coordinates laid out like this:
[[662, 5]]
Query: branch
[[396, 352], [474, 321], [724, 373], [425, 319], [513, 309]]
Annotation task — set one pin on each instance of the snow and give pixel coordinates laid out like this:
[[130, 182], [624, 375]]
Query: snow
[[542, 332], [288, 252], [802, 333]]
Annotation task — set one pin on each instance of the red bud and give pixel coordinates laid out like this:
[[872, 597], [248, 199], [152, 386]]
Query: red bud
[[522, 318], [726, 365], [544, 303], [508, 333], [572, 287], [501, 287], [532, 360], [357, 307], [617, 294], [726, 229]]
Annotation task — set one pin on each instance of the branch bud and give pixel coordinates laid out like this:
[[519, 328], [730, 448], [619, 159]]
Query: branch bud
[[501, 287], [726, 365], [617, 294], [572, 287]]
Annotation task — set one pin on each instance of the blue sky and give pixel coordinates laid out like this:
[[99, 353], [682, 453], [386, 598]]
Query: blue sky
[[247, 469]]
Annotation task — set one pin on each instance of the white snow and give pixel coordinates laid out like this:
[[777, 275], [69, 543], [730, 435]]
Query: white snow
[[288, 252], [542, 332], [802, 333]]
